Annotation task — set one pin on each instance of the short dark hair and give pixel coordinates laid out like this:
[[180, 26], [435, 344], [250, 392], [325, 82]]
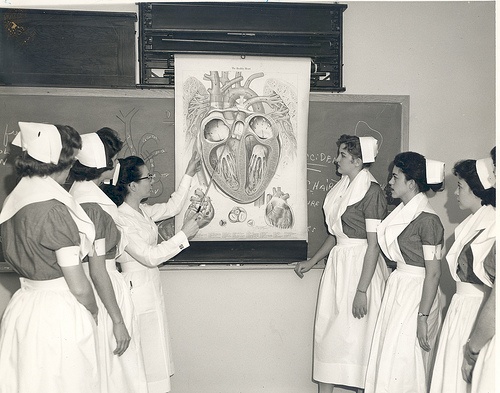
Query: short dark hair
[[466, 170], [353, 146], [70, 140], [413, 166], [112, 146], [493, 155], [112, 143], [129, 172]]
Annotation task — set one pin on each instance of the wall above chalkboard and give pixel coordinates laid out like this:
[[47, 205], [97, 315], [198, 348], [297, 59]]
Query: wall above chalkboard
[[144, 119]]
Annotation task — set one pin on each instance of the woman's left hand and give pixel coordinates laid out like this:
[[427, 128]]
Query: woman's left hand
[[359, 305], [467, 369], [422, 336], [194, 164]]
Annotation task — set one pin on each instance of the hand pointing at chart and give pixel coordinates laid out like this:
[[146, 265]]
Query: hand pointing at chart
[[194, 164]]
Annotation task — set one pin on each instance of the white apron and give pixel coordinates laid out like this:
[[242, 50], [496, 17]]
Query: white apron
[[342, 342], [125, 373], [484, 374], [47, 341], [47, 338], [397, 362], [464, 306]]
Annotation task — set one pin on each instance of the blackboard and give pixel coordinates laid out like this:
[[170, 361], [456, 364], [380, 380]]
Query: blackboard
[[67, 48], [333, 115], [145, 120]]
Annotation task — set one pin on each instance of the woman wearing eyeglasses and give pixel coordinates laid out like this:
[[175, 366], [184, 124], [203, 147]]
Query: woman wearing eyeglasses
[[142, 255]]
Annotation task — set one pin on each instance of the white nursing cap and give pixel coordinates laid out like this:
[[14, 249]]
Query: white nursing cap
[[40, 141], [116, 174], [369, 148], [93, 153], [434, 171], [485, 171]]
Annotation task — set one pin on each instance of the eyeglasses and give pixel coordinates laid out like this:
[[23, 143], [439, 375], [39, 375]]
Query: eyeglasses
[[149, 176]]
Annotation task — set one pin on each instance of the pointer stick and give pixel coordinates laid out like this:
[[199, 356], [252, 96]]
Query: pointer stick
[[212, 177]]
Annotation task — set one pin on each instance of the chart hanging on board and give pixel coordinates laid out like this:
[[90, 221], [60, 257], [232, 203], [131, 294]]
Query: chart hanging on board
[[247, 119]]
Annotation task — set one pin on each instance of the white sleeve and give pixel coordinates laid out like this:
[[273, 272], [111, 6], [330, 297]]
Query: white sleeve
[[100, 247], [431, 252], [162, 211], [153, 255], [372, 224], [68, 256]]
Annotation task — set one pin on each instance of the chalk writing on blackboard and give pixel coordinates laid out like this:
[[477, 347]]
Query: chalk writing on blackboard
[[5, 150], [146, 148], [363, 129]]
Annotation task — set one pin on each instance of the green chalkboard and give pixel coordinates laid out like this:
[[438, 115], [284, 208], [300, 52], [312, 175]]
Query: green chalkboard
[[331, 115], [145, 120]]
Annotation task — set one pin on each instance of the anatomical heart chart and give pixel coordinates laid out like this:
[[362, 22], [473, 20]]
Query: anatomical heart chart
[[246, 117]]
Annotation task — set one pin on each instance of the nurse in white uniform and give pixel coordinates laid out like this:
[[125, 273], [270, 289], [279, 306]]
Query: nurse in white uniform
[[474, 238], [47, 334], [408, 323], [479, 352], [142, 255], [353, 281], [120, 355], [478, 367]]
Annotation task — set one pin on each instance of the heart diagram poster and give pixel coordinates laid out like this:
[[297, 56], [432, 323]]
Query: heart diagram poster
[[246, 117]]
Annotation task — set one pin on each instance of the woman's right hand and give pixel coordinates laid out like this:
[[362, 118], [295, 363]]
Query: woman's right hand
[[303, 267], [122, 338], [422, 336], [200, 207]]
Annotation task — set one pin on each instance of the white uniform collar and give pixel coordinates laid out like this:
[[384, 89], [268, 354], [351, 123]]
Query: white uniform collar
[[89, 192], [346, 193], [396, 222], [46, 189], [483, 219]]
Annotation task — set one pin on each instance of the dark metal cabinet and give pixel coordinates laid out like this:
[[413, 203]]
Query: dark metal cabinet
[[268, 29]]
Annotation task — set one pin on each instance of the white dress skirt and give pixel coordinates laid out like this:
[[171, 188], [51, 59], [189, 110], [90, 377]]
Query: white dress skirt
[[125, 373], [397, 362], [484, 374], [342, 342], [51, 337], [457, 326], [149, 304]]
